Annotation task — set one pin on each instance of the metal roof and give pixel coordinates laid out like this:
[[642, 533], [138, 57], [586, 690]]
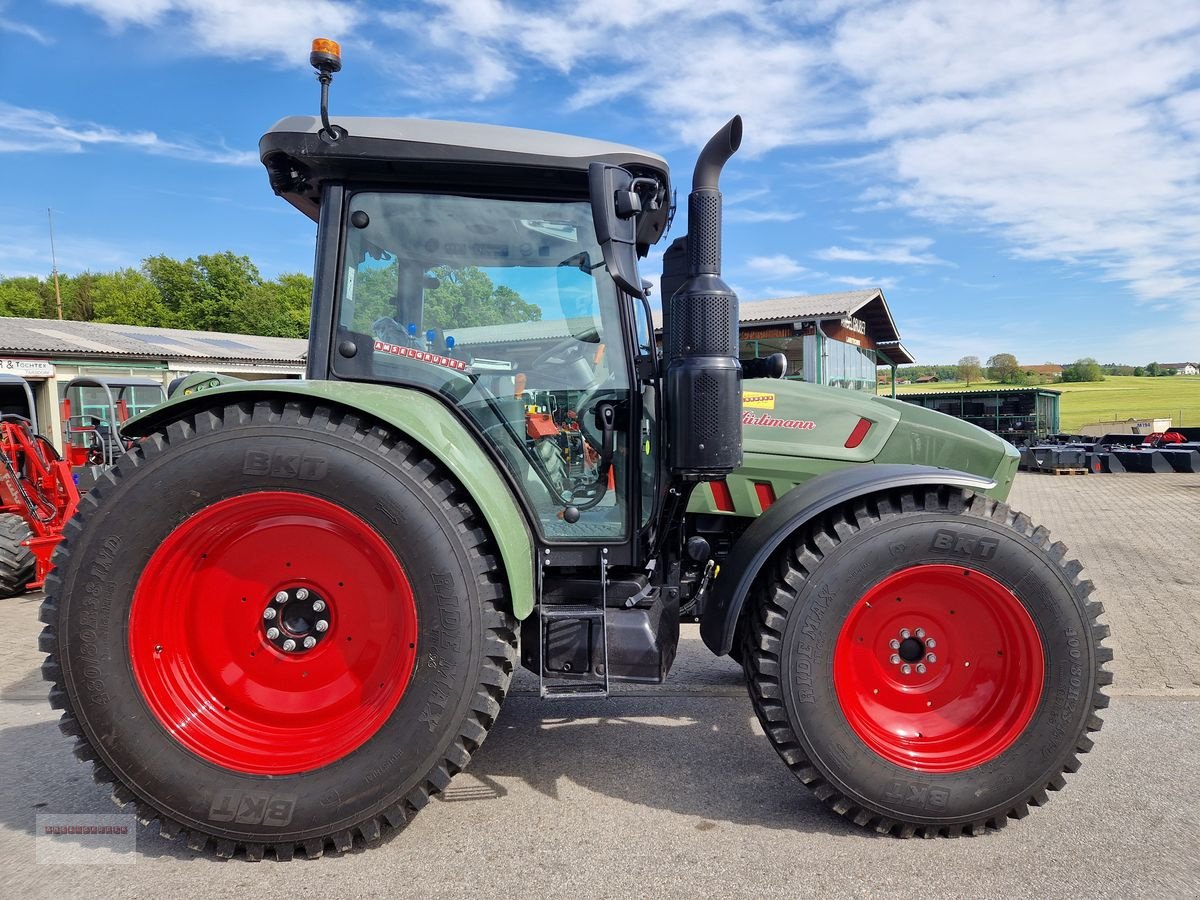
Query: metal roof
[[902, 394], [97, 339], [868, 305]]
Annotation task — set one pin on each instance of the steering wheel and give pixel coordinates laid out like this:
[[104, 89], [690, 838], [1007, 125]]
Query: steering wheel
[[565, 352]]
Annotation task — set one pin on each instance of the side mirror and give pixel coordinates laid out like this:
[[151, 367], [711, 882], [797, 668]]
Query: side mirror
[[615, 206], [773, 366]]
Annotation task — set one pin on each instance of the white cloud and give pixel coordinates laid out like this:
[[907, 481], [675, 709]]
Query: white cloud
[[234, 28], [899, 252], [743, 216], [690, 65], [885, 284], [1067, 127], [1063, 125], [38, 131], [20, 28], [778, 266]]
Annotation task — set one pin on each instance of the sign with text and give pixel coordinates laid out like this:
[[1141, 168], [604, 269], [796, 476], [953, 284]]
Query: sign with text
[[27, 368]]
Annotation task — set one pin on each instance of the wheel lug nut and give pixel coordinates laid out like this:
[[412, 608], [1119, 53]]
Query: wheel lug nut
[[269, 613], [322, 625], [930, 642], [318, 605], [906, 669], [272, 633], [920, 632], [894, 644], [289, 644], [895, 659], [281, 597], [931, 657], [921, 668], [905, 633], [302, 594], [310, 642]]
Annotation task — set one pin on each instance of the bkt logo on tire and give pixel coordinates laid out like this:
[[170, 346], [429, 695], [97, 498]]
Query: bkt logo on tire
[[961, 545], [252, 808]]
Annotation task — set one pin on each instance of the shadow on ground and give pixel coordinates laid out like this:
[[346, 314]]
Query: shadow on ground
[[692, 756]]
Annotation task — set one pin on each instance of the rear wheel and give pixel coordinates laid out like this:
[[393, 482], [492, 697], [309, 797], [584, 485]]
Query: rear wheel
[[17, 563], [277, 627], [927, 662]]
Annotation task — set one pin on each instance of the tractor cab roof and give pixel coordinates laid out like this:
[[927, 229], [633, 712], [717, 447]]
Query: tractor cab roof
[[459, 156]]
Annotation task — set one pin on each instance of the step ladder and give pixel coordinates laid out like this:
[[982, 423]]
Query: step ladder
[[584, 675]]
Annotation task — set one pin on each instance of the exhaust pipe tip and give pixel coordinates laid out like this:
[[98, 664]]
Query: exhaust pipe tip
[[715, 154]]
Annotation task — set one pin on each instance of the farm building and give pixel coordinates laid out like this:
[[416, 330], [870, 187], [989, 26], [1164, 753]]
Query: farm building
[[1183, 368], [1019, 415], [48, 353], [1048, 370], [837, 339]]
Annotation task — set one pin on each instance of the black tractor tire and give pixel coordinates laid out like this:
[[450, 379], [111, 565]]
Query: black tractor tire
[[305, 455], [809, 612], [17, 563]]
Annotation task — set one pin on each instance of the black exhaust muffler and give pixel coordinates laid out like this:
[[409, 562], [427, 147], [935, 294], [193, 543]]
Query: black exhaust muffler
[[703, 375]]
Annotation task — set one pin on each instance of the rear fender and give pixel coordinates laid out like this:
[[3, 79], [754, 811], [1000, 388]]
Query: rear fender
[[791, 511], [419, 417]]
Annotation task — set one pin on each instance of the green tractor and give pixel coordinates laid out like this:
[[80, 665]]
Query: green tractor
[[292, 612]]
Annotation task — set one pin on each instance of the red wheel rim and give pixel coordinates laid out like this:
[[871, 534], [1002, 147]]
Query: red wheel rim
[[938, 668], [200, 645]]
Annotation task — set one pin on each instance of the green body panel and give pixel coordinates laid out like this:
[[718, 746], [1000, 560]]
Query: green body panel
[[423, 419], [794, 431]]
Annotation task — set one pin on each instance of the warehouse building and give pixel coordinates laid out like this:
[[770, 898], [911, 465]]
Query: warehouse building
[[837, 339], [1019, 415], [48, 353]]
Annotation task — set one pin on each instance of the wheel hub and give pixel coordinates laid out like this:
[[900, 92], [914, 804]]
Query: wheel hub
[[911, 650], [273, 632], [296, 619], [938, 668]]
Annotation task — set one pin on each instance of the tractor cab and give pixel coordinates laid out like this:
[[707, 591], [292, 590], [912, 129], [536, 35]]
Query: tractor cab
[[495, 268], [93, 410]]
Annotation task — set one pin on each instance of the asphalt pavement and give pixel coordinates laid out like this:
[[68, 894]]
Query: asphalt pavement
[[674, 791]]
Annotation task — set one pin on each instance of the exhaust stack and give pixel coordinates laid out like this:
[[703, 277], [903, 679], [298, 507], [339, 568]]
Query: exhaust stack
[[704, 377]]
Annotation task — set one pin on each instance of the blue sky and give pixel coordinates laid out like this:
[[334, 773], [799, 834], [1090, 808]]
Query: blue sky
[[1020, 177]]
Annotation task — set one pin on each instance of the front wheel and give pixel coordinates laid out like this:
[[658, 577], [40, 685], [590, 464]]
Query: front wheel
[[927, 662], [277, 627]]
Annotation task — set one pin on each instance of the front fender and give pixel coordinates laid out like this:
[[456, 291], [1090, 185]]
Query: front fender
[[421, 418], [804, 502]]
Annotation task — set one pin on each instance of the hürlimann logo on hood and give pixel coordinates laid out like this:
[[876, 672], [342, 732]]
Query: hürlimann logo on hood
[[765, 421]]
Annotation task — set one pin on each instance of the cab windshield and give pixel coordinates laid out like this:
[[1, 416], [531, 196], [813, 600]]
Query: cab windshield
[[504, 306]]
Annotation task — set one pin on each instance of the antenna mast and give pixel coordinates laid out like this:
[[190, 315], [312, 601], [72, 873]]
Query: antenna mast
[[54, 263]]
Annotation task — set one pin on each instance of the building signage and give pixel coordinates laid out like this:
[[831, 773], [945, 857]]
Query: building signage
[[27, 368]]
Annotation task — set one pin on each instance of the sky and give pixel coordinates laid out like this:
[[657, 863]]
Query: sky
[[1018, 177]]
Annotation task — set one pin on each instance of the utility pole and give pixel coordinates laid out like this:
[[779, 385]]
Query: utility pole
[[54, 263]]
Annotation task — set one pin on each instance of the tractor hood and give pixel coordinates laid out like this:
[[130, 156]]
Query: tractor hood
[[794, 431], [795, 418]]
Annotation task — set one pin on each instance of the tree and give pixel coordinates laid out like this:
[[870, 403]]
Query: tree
[[1154, 370], [1086, 369], [128, 297], [1139, 371], [1004, 368], [22, 298], [969, 369]]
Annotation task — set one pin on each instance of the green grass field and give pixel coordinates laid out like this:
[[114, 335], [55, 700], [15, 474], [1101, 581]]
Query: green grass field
[[1175, 397]]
